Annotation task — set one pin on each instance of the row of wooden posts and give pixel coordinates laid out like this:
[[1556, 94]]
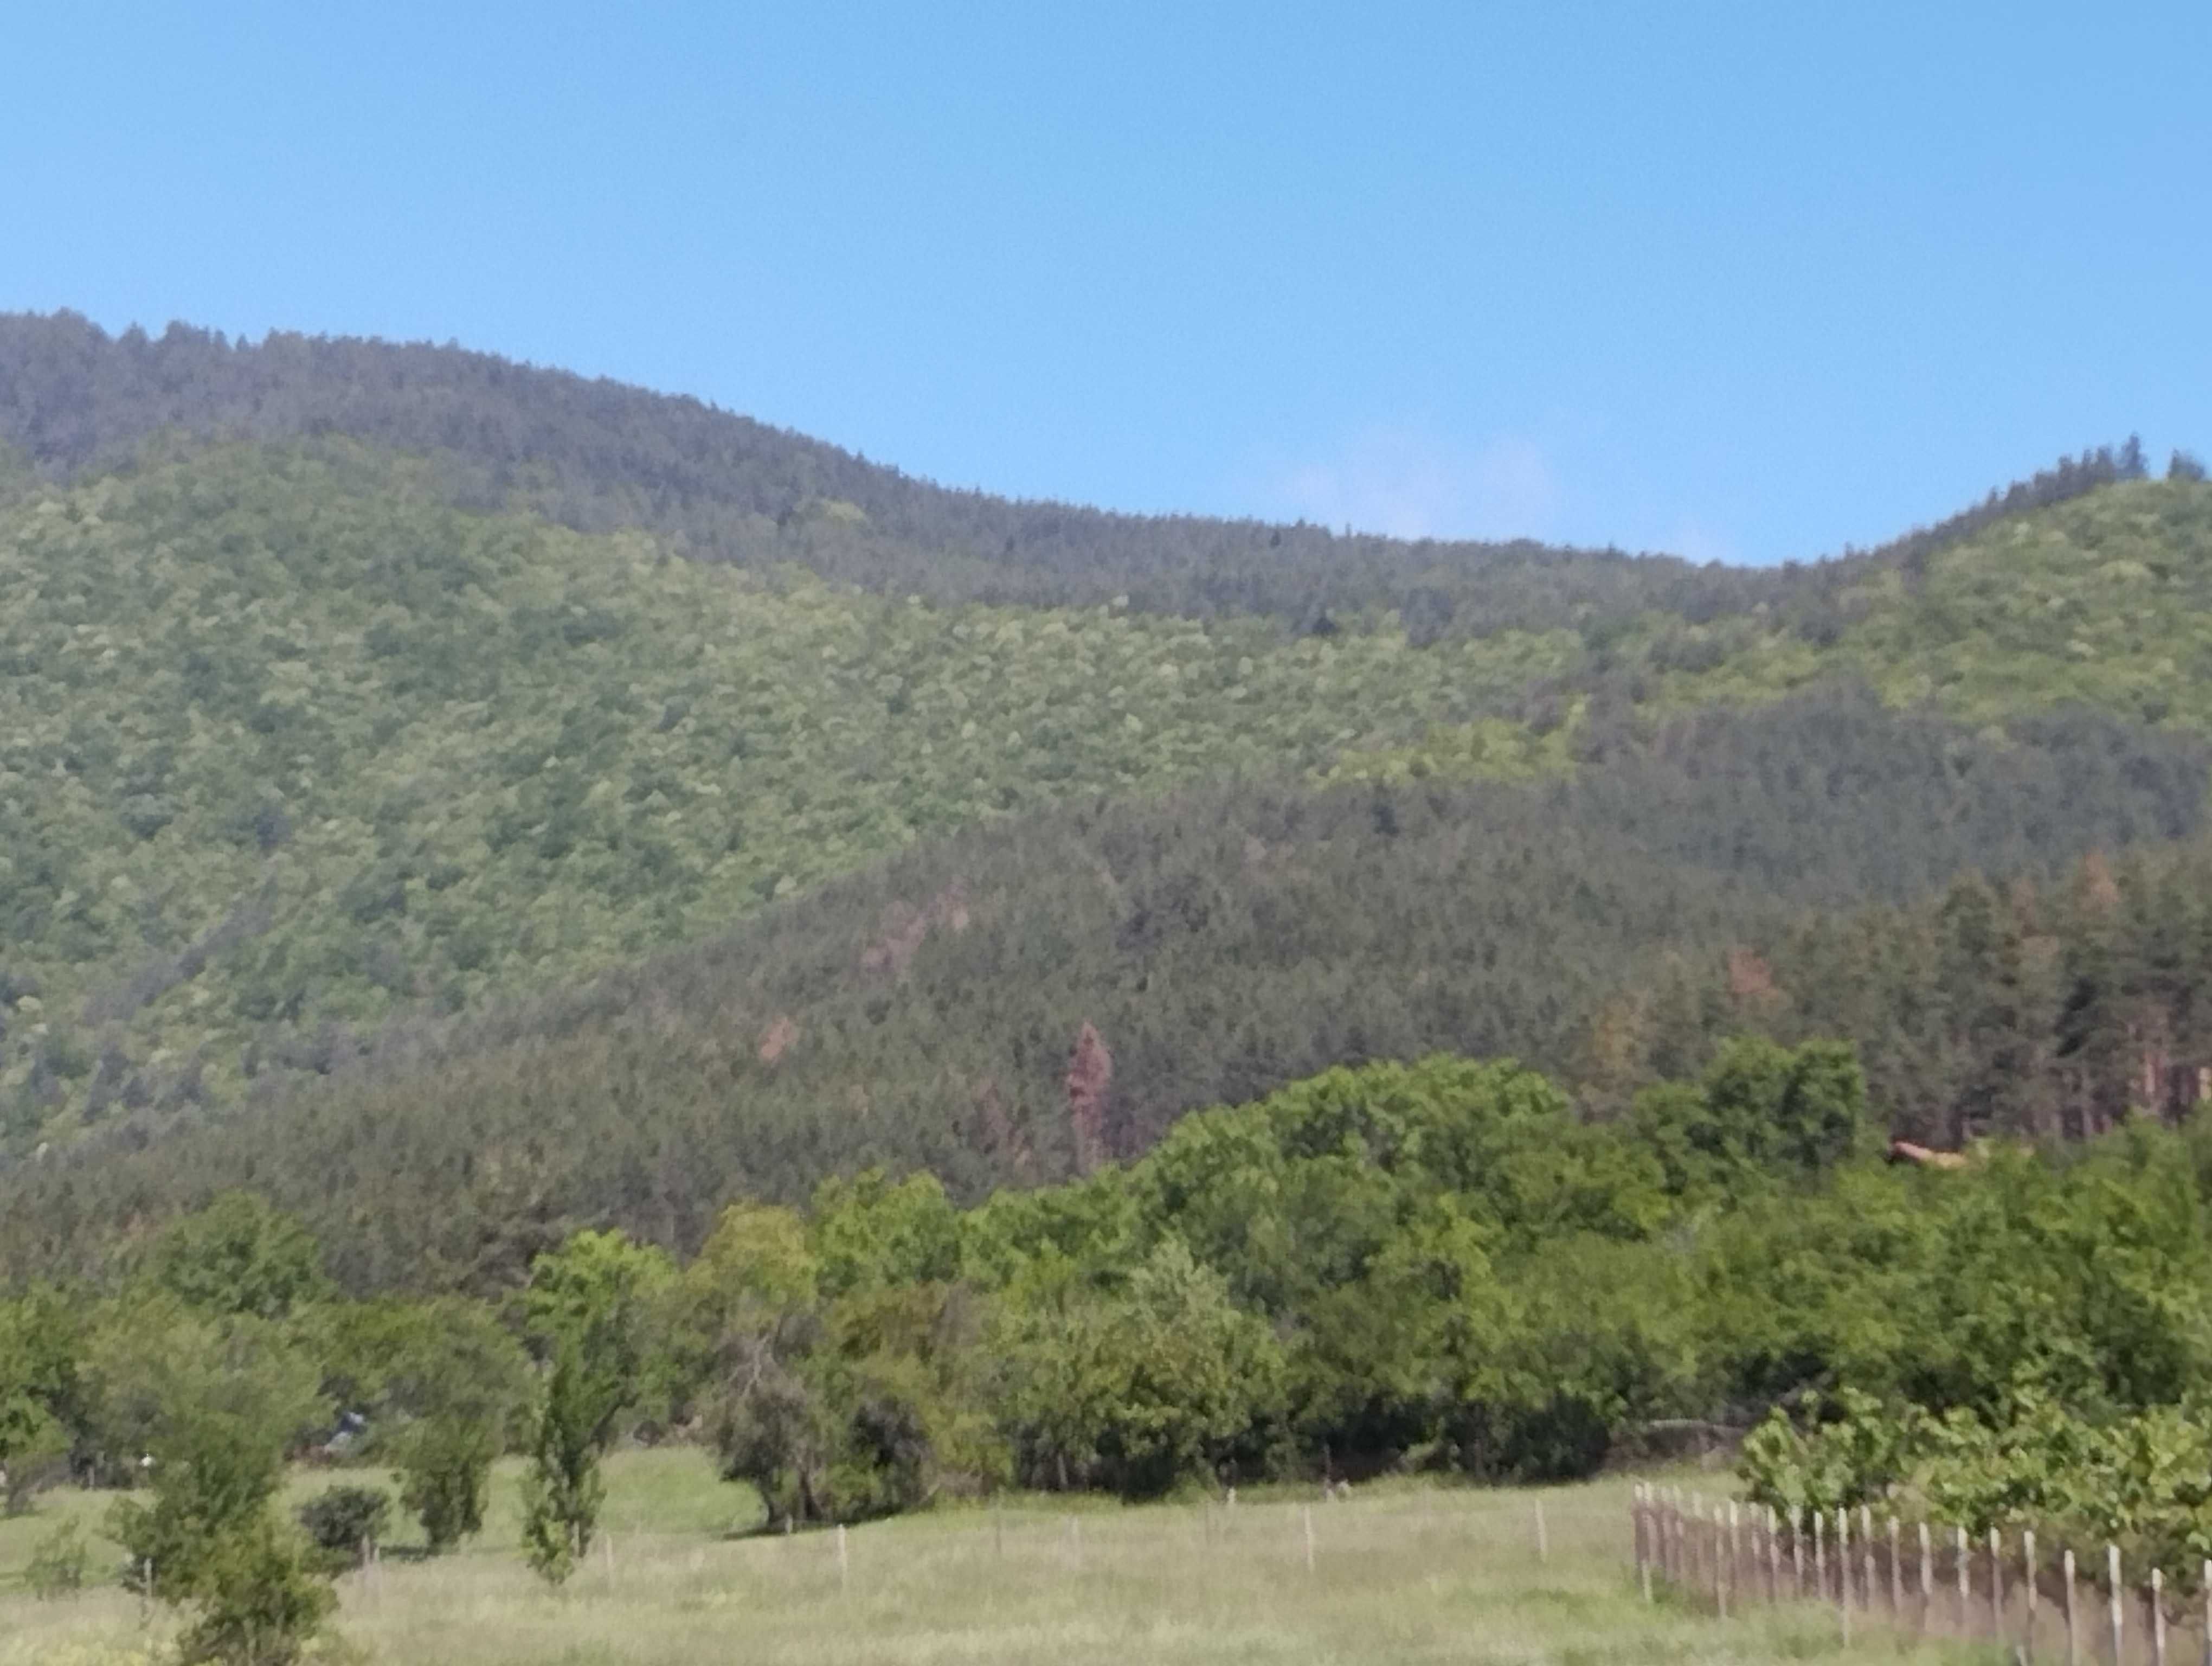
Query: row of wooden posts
[[1730, 1555]]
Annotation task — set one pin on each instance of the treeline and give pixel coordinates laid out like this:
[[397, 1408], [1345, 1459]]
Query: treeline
[[598, 456], [1430, 1265], [922, 1015]]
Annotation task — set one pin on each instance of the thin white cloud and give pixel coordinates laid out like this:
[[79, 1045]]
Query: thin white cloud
[[1694, 541], [1411, 482]]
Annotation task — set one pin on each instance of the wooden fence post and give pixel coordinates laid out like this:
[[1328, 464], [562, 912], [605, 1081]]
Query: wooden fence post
[[2112, 1604], [1997, 1585], [1701, 1540], [1773, 1560], [1715, 1556], [1819, 1555], [1896, 1574], [1927, 1578], [1636, 1526], [2028, 1565], [2157, 1617], [1644, 1580], [1843, 1570], [1866, 1551], [2066, 1602], [1965, 1580], [1798, 1549], [2207, 1611]]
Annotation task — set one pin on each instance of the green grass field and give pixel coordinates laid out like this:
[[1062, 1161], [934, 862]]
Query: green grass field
[[1400, 1572]]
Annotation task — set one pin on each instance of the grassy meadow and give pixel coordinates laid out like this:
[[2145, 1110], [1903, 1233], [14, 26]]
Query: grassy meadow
[[1400, 1572]]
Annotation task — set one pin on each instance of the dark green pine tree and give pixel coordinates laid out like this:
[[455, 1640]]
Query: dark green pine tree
[[1994, 1024], [2092, 1042]]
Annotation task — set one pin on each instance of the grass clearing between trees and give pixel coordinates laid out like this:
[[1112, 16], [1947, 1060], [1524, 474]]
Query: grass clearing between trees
[[1400, 1572]]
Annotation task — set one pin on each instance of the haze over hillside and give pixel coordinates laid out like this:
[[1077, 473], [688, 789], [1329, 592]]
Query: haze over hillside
[[399, 715]]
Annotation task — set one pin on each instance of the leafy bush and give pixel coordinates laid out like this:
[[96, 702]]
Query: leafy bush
[[57, 1560], [343, 1519], [210, 1534], [562, 1492], [2143, 1482], [260, 1601], [445, 1466], [1853, 1451]]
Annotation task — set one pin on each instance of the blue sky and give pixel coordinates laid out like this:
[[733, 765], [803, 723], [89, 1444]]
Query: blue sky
[[1741, 282]]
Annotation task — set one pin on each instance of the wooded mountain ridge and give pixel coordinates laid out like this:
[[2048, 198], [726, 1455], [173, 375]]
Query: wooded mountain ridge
[[392, 818], [596, 455]]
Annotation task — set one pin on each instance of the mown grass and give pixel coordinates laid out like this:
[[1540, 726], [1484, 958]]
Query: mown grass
[[1400, 1573]]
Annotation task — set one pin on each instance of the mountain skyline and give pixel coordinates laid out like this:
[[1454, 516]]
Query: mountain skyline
[[1396, 486], [1723, 282]]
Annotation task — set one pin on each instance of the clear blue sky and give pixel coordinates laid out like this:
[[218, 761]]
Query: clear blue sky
[[1748, 281]]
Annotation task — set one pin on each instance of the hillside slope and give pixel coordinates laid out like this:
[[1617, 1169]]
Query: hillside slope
[[1223, 941], [292, 747], [575, 865], [284, 741]]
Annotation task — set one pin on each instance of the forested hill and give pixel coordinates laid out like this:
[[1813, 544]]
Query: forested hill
[[392, 815], [596, 456], [1610, 925]]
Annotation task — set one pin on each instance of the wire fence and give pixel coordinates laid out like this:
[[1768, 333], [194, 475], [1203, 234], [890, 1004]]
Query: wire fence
[[2040, 1600]]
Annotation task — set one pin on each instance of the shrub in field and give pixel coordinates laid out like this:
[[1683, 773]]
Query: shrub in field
[[261, 1601], [213, 1543], [212, 1481], [562, 1493], [445, 1467], [57, 1560], [342, 1519]]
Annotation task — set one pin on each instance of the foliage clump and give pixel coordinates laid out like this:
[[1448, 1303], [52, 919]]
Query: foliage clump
[[59, 1560], [346, 1522]]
